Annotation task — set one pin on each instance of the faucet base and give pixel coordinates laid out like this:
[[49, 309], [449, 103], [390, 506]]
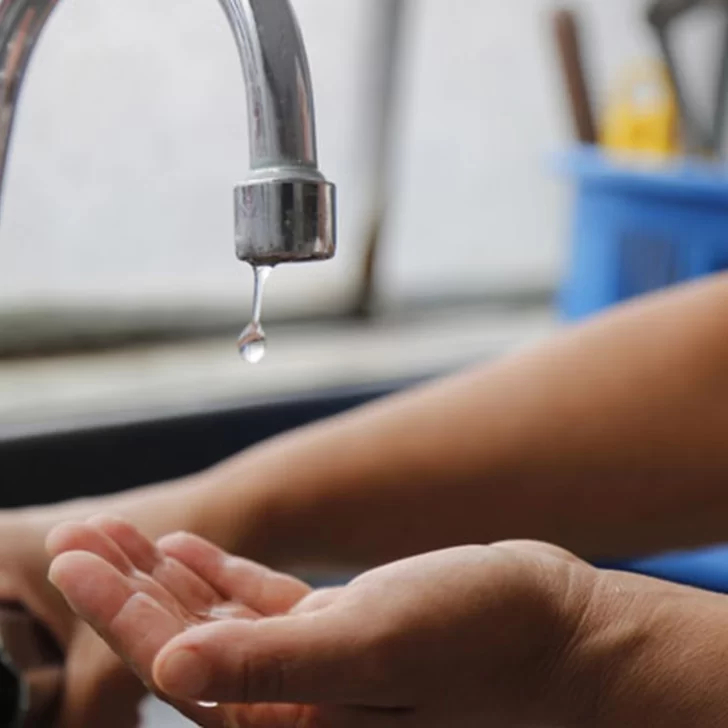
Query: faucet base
[[285, 220]]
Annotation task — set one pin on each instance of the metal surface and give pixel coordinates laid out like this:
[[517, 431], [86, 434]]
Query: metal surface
[[285, 220], [285, 211]]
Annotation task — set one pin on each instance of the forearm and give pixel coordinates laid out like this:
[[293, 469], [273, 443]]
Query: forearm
[[608, 440]]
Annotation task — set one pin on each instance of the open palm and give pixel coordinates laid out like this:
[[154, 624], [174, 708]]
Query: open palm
[[471, 636], [138, 596]]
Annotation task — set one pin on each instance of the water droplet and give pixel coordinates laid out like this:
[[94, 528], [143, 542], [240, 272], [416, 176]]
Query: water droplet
[[252, 342], [203, 704], [224, 612]]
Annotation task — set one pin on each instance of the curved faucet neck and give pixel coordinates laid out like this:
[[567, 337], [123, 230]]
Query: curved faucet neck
[[292, 217], [281, 123]]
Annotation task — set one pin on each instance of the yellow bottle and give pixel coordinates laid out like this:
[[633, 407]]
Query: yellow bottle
[[642, 116]]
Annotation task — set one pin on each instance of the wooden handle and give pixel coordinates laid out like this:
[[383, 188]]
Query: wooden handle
[[569, 47]]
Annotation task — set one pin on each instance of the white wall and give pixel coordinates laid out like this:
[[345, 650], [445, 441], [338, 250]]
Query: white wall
[[131, 135]]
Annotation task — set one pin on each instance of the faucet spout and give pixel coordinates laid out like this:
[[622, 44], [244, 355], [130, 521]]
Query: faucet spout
[[285, 211]]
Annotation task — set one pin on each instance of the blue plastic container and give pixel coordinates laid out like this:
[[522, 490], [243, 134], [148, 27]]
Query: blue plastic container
[[704, 569], [637, 228]]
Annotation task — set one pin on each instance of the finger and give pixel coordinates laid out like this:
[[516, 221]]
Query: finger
[[89, 538], [239, 580], [196, 597], [134, 624], [319, 657], [84, 537], [138, 548]]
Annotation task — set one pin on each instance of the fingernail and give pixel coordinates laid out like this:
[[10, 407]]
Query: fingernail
[[183, 674]]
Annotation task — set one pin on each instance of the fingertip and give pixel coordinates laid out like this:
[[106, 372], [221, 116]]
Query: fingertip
[[91, 586], [106, 520], [64, 565], [68, 573], [59, 537], [142, 553], [117, 529], [172, 543], [180, 671]]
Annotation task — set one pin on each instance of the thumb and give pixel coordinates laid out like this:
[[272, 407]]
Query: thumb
[[315, 658]]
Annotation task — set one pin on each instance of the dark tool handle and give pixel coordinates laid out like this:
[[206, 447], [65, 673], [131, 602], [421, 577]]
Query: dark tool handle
[[566, 31], [31, 678]]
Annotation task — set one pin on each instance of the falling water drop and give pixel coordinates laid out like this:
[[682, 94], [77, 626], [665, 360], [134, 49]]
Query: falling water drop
[[252, 342]]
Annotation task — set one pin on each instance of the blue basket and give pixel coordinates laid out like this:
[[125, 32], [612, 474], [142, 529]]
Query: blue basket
[[637, 229]]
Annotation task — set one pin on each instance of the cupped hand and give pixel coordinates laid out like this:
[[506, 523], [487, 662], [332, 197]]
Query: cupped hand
[[139, 596], [471, 636]]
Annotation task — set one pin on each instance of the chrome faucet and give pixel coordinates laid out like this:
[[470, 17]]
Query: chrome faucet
[[286, 210]]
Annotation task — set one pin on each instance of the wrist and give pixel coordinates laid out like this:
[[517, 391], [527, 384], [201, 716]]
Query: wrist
[[646, 652]]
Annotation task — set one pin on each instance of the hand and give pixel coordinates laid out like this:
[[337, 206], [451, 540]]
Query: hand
[[100, 690], [470, 637], [139, 596]]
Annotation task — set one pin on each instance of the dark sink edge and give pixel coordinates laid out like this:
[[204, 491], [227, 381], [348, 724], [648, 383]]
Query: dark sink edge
[[96, 456], [112, 422]]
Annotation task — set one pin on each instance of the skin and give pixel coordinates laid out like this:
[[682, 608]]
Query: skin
[[515, 634], [605, 440]]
